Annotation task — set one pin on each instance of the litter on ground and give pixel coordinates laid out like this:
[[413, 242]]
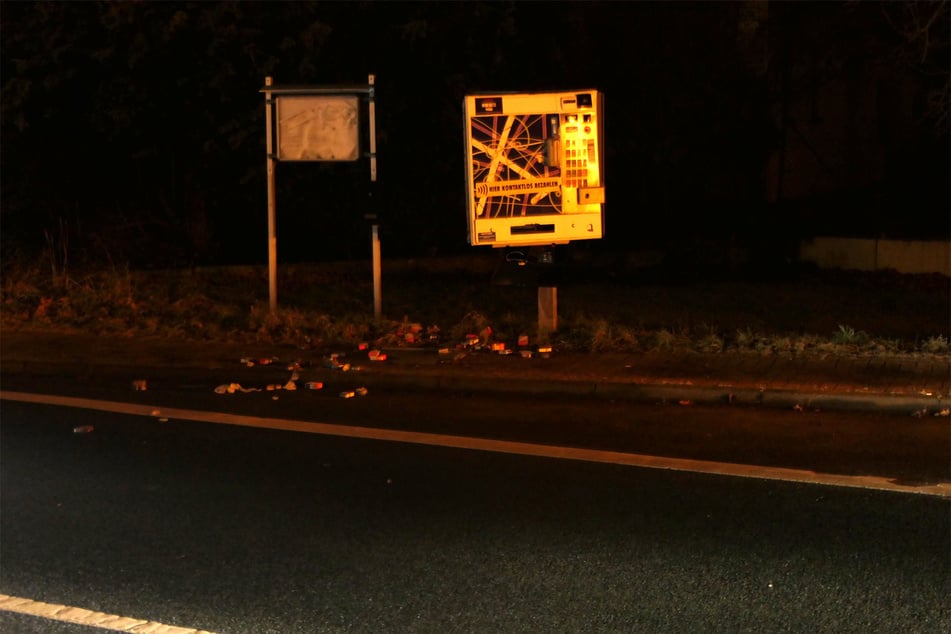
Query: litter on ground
[[231, 388]]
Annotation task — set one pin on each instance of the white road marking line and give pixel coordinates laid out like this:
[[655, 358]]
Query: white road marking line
[[81, 616], [941, 489]]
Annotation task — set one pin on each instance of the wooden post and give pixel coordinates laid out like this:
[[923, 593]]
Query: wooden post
[[547, 311]]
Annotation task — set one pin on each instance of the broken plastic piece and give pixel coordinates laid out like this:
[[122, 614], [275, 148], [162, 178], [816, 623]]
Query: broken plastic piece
[[231, 388], [333, 363]]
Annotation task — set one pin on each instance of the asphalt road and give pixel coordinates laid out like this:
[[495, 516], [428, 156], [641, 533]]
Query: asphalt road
[[239, 530], [898, 447]]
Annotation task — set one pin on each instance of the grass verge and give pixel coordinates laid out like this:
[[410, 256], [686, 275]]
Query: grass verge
[[441, 302]]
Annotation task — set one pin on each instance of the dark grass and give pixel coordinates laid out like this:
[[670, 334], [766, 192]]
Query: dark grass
[[605, 305]]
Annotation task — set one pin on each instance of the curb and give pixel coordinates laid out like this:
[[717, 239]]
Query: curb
[[774, 398]]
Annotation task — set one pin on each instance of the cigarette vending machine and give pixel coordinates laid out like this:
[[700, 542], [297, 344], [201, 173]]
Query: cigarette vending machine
[[534, 167]]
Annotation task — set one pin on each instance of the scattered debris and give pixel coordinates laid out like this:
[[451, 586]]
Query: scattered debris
[[231, 388], [251, 361], [480, 338], [333, 362]]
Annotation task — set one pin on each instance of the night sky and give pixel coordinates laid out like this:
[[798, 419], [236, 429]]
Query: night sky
[[135, 130]]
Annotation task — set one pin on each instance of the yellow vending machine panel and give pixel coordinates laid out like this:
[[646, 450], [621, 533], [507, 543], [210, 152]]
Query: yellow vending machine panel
[[534, 167]]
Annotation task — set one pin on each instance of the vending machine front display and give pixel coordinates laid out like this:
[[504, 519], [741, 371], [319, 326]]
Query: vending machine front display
[[534, 167]]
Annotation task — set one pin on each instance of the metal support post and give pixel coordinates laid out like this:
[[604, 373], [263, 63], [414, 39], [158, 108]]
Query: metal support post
[[371, 93], [377, 284], [271, 200], [377, 273]]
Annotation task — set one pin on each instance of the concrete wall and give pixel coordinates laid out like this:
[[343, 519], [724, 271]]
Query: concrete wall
[[904, 256]]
